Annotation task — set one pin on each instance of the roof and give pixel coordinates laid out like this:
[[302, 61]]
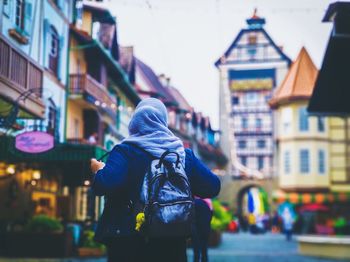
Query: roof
[[299, 81], [119, 75], [153, 83], [334, 9], [183, 104], [244, 31], [100, 12]]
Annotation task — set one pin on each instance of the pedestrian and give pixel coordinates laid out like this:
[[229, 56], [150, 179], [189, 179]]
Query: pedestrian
[[288, 222], [120, 180], [201, 230], [93, 138]]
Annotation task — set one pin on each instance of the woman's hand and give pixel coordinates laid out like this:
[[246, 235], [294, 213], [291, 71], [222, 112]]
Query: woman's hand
[[96, 165]]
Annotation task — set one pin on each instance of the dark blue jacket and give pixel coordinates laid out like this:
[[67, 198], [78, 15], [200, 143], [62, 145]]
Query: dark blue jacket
[[120, 182]]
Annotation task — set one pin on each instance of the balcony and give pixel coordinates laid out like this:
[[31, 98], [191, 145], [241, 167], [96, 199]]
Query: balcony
[[19, 74], [92, 91]]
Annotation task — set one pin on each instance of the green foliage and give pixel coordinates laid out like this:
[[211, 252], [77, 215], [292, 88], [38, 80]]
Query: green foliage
[[44, 223], [221, 217], [88, 240]]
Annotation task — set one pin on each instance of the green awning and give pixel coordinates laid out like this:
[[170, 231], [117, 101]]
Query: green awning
[[61, 152]]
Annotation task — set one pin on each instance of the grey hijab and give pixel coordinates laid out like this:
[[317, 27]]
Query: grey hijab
[[149, 130]]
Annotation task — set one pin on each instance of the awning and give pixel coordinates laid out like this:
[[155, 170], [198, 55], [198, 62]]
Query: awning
[[61, 152], [308, 198]]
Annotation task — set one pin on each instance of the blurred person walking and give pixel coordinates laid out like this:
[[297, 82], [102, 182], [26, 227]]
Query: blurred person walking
[[288, 222], [201, 230], [121, 178]]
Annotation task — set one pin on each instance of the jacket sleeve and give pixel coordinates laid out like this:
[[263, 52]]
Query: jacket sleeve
[[204, 183], [113, 175]]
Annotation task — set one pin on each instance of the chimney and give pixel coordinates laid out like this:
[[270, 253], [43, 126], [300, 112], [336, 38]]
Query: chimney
[[163, 80]]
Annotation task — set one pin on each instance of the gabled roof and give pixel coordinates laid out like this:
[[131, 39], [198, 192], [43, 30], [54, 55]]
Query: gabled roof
[[299, 81], [154, 87], [222, 59], [183, 104]]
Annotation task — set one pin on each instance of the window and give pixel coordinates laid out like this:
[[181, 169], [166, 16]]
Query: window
[[244, 123], [242, 144], [76, 127], [287, 115], [261, 143], [321, 124], [260, 162], [258, 123], [303, 119], [321, 162], [304, 161], [19, 21], [286, 162], [252, 98], [54, 50], [235, 100], [23, 16], [244, 160]]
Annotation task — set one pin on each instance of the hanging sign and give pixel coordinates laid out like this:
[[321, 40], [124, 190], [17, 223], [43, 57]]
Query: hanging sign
[[34, 142]]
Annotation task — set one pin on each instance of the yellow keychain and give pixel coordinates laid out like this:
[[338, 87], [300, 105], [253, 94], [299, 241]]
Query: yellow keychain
[[140, 219]]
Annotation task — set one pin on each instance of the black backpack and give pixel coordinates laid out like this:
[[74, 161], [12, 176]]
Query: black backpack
[[166, 199]]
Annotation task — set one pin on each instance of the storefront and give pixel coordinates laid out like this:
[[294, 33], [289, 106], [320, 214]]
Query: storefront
[[318, 213], [54, 182]]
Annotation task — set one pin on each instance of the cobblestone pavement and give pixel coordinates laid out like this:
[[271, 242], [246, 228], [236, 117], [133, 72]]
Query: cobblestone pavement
[[234, 248], [256, 248]]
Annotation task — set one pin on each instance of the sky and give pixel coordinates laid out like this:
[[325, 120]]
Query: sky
[[184, 38]]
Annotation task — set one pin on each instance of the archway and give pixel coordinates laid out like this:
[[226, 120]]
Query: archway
[[252, 200]]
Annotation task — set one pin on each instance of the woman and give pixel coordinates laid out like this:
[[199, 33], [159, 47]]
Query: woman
[[121, 178]]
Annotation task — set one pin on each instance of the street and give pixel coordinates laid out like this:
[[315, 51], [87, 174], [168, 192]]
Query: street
[[234, 248], [255, 248]]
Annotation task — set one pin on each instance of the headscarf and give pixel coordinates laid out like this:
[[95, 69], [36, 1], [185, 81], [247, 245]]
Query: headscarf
[[149, 130]]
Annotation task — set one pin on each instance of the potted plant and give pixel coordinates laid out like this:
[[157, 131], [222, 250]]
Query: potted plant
[[43, 236], [220, 221], [90, 248]]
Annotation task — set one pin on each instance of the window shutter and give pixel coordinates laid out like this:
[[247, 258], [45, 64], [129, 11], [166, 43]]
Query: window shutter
[[57, 122], [28, 10], [60, 4], [59, 54], [7, 8], [47, 39]]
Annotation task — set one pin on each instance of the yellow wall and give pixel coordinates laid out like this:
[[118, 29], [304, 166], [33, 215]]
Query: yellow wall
[[293, 140], [76, 55], [75, 122], [339, 153], [296, 179], [87, 22], [334, 141], [294, 130]]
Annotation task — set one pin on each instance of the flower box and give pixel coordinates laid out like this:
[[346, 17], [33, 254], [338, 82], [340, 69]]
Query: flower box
[[90, 252]]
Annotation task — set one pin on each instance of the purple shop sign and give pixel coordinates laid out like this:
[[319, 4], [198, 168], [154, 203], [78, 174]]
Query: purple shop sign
[[34, 142]]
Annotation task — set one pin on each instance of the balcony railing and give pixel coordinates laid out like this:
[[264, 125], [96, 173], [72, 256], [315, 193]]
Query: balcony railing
[[81, 84], [18, 71]]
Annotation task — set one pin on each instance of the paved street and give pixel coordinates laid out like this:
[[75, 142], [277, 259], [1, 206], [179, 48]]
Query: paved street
[[234, 248], [249, 248]]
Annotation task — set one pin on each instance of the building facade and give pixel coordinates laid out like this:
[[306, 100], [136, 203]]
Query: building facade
[[249, 71], [34, 46], [312, 150]]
